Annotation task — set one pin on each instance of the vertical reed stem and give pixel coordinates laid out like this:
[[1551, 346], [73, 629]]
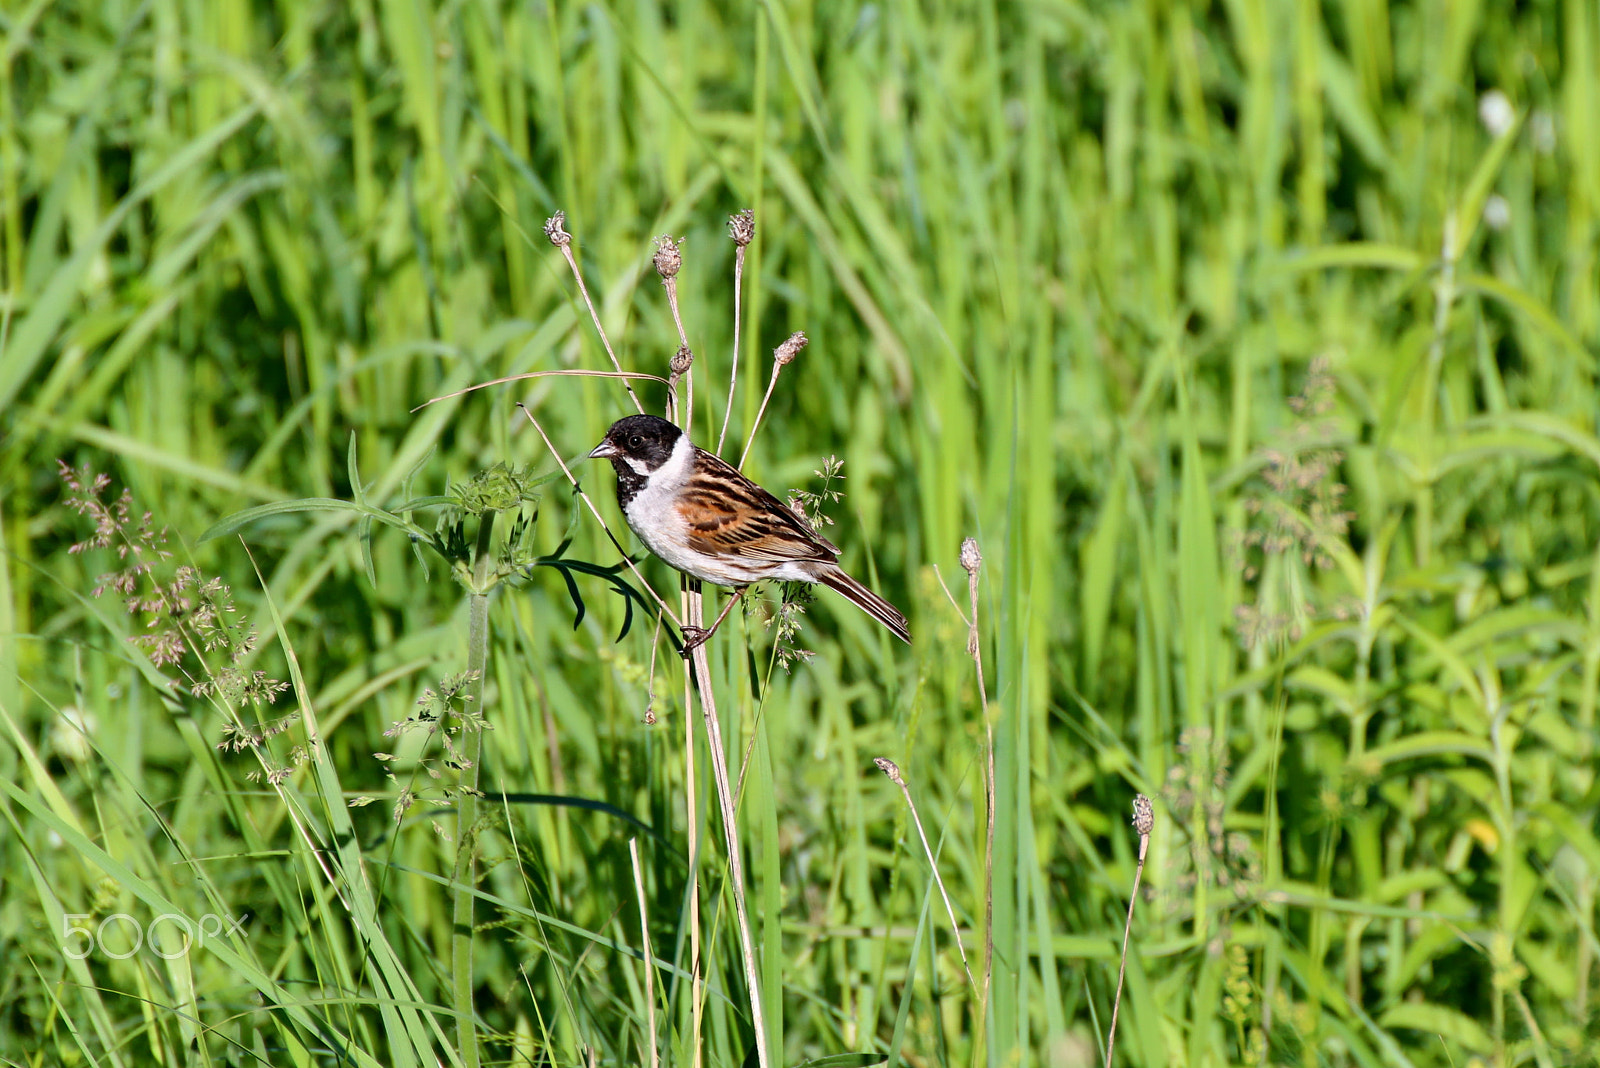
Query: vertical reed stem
[[730, 830], [464, 877]]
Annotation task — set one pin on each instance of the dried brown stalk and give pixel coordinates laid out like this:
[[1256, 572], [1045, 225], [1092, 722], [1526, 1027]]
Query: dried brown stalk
[[555, 228], [782, 356], [1144, 821], [742, 228], [891, 769]]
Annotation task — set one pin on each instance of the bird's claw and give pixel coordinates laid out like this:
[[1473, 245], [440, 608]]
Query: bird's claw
[[693, 638]]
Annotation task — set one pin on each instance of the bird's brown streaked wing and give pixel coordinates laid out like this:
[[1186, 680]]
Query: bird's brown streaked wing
[[729, 515]]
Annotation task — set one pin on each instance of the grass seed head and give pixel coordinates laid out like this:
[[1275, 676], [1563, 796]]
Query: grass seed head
[[555, 228], [742, 227], [784, 354], [971, 557], [186, 616], [669, 257], [1144, 814], [889, 768]]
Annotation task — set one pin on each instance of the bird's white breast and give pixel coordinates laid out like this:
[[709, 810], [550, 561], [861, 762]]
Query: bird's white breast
[[653, 513]]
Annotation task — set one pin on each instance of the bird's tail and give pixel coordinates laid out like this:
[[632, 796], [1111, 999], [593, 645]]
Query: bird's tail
[[835, 579]]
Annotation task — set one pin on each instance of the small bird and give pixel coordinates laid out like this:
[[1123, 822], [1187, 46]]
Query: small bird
[[704, 518]]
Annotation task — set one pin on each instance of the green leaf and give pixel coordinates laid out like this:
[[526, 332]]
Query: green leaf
[[239, 520], [1345, 101], [1447, 654], [1098, 573], [353, 471], [1556, 429], [1469, 213], [1321, 680], [1356, 254], [35, 332], [1447, 1023], [1430, 743]]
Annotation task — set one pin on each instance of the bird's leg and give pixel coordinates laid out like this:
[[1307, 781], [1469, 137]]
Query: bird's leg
[[695, 637]]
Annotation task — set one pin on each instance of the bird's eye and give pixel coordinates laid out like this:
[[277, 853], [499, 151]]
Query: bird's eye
[[635, 441]]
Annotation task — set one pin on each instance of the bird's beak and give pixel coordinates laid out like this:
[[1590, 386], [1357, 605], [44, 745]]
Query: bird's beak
[[603, 451]]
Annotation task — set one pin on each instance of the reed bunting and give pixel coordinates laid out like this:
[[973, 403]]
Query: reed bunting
[[704, 518]]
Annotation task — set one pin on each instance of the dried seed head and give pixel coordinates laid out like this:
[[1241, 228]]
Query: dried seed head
[[889, 768], [555, 228], [682, 360], [785, 353], [667, 258], [1144, 814], [971, 558], [742, 227]]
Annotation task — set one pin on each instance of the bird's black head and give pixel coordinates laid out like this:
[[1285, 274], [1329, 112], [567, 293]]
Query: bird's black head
[[638, 445]]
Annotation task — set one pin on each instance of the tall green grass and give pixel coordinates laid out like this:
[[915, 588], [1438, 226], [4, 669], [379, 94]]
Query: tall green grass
[[1063, 268]]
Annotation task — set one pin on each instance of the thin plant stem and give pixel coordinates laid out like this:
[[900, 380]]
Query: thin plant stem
[[650, 686], [782, 356], [683, 366], [565, 372], [719, 771], [464, 878], [555, 230], [742, 228], [733, 375], [891, 769], [1144, 820], [690, 779], [668, 259], [649, 956], [671, 285], [761, 411], [972, 563], [682, 362]]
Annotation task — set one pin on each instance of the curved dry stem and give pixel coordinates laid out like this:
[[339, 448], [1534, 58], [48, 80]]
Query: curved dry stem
[[1144, 822], [566, 250], [972, 564], [891, 769], [951, 598], [751, 439], [573, 372]]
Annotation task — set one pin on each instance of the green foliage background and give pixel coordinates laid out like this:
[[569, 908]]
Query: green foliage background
[[1063, 266]]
